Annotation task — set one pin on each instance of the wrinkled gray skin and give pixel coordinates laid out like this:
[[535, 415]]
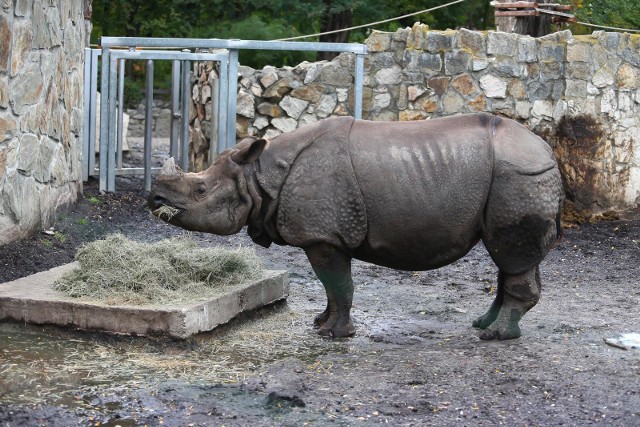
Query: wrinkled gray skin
[[406, 195]]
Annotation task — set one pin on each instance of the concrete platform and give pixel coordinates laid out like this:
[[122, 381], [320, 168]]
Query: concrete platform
[[32, 300]]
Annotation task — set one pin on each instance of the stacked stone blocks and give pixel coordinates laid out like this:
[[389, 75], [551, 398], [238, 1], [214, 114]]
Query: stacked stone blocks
[[581, 93], [41, 111]]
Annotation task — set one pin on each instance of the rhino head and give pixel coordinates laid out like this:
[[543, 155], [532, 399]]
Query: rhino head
[[217, 200]]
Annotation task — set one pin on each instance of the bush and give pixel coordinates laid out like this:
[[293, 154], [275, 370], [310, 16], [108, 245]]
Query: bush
[[133, 93]]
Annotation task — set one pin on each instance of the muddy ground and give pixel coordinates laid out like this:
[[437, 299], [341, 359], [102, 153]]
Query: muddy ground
[[415, 360]]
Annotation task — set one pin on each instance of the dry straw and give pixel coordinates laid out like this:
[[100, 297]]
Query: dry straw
[[117, 270]]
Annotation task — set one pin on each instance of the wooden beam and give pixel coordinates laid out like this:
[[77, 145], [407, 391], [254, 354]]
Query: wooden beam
[[516, 5], [507, 13]]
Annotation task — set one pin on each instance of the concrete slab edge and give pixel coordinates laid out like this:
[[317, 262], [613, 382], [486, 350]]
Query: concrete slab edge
[[32, 300]]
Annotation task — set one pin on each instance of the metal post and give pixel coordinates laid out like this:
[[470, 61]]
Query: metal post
[[94, 113], [121, 131], [148, 123], [110, 152], [358, 83], [86, 126], [233, 95], [175, 109], [214, 139], [223, 103], [104, 117], [186, 100]]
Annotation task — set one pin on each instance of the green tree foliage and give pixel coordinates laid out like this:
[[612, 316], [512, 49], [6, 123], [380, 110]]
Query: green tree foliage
[[613, 13], [277, 19], [274, 19]]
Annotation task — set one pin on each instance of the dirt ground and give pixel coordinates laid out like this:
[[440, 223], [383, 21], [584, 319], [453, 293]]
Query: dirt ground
[[415, 360]]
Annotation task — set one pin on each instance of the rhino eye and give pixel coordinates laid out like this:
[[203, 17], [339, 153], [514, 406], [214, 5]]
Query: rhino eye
[[201, 189]]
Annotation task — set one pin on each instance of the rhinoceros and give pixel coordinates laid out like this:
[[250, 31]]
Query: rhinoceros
[[406, 195]]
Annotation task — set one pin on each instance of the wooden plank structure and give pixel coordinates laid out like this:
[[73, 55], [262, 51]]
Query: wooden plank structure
[[530, 17], [557, 11]]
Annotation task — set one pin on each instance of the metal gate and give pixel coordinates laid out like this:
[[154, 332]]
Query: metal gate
[[111, 113], [223, 120]]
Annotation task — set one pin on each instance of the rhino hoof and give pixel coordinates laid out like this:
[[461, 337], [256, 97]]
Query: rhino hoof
[[510, 332], [321, 319], [338, 332], [484, 321]]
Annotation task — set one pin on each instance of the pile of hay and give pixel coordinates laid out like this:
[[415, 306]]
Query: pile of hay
[[117, 270]]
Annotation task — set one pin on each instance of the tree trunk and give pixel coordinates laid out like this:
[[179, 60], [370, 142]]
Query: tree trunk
[[331, 22], [505, 24], [534, 26]]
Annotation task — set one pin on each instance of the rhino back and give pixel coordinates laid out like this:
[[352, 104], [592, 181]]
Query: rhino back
[[424, 186]]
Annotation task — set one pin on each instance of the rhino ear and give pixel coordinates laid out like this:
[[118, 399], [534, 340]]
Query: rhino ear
[[249, 152]]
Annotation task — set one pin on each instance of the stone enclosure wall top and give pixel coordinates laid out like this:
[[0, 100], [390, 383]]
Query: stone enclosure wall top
[[580, 93], [41, 71]]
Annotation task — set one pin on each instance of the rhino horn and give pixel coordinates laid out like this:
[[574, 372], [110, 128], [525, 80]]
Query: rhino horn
[[169, 169]]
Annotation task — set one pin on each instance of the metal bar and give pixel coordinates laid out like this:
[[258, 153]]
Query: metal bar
[[223, 105], [214, 139], [186, 100], [175, 109], [94, 111], [232, 98], [231, 44], [86, 127], [120, 110], [358, 86], [104, 118], [136, 171], [148, 123], [167, 55], [110, 153]]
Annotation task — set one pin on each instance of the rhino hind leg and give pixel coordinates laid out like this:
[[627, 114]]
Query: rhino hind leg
[[517, 294], [333, 268], [490, 316]]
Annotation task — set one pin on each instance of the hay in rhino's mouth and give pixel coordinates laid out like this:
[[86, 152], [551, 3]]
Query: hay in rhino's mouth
[[166, 212]]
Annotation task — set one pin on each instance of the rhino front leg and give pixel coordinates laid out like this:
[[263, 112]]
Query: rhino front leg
[[517, 294], [333, 268]]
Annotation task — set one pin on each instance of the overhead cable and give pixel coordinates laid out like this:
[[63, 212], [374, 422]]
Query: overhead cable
[[373, 23]]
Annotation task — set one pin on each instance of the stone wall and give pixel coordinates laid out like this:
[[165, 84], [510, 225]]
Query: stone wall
[[41, 76], [581, 93]]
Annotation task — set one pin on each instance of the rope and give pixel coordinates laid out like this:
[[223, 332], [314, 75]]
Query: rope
[[373, 23], [586, 24]]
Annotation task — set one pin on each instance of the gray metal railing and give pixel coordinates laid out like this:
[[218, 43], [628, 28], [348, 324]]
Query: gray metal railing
[[223, 111], [111, 123]]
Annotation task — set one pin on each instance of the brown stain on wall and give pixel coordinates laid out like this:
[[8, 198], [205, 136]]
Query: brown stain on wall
[[584, 153], [579, 145]]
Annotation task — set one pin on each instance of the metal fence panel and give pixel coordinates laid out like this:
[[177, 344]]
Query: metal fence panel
[[223, 125]]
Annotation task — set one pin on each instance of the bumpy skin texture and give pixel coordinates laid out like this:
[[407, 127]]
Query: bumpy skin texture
[[406, 195]]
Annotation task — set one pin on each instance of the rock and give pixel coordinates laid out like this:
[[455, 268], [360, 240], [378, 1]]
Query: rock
[[284, 124], [378, 41], [293, 106], [269, 109], [472, 41], [311, 92], [245, 104], [326, 105], [26, 87], [493, 87], [268, 78], [389, 76], [278, 89], [502, 44], [603, 77]]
